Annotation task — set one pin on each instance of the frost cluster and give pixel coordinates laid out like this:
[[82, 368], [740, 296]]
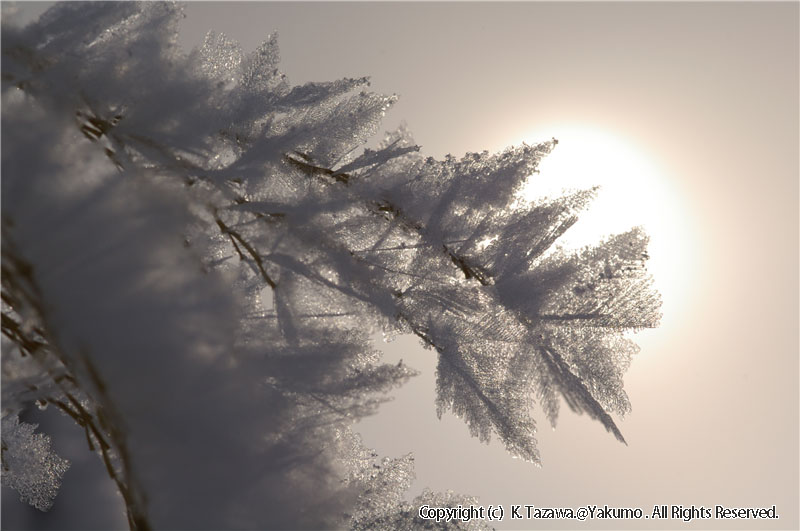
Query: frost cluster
[[152, 202], [29, 466]]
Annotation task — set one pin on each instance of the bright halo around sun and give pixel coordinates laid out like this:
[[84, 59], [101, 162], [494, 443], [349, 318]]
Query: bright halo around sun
[[633, 192]]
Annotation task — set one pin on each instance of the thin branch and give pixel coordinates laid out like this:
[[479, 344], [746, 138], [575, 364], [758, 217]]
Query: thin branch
[[250, 250]]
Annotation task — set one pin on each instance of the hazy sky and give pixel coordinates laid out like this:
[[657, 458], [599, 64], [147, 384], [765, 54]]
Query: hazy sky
[[706, 94]]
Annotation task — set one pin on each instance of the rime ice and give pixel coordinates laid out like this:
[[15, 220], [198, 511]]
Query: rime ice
[[206, 250], [29, 466]]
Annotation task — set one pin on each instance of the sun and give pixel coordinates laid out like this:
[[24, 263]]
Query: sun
[[633, 192]]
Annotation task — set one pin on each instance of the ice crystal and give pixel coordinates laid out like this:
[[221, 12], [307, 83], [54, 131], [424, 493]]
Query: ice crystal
[[29, 465], [196, 254]]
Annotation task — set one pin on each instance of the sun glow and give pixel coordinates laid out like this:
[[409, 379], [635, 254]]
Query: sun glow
[[633, 191]]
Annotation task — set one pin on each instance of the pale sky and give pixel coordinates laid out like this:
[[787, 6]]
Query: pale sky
[[705, 97]]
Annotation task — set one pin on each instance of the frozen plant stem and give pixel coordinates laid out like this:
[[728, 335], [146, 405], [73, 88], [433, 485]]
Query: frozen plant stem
[[151, 196]]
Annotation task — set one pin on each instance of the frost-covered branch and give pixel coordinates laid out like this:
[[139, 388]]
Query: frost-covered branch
[[154, 201]]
